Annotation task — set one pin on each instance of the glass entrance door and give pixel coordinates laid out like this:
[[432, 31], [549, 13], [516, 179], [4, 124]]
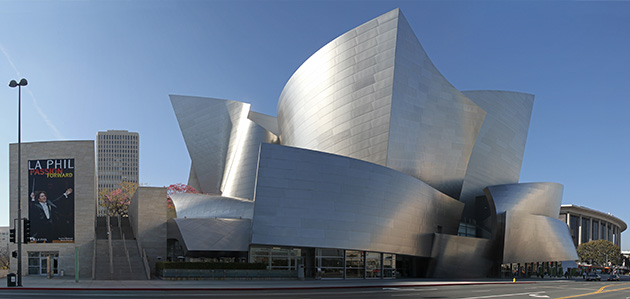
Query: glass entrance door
[[38, 262]]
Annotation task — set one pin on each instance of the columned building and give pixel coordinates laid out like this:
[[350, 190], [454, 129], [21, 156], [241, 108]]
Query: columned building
[[590, 225], [117, 160]]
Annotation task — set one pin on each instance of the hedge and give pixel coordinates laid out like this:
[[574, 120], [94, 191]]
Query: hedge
[[206, 265]]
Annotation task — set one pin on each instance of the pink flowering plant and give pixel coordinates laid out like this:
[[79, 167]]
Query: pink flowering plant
[[175, 189]]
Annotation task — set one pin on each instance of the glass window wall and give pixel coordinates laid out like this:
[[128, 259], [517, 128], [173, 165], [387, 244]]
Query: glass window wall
[[355, 263], [276, 258], [330, 263], [389, 265], [373, 265]]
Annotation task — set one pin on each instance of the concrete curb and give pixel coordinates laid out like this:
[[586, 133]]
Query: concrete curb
[[270, 288]]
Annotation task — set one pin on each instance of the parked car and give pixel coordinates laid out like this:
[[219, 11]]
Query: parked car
[[613, 277], [593, 277]]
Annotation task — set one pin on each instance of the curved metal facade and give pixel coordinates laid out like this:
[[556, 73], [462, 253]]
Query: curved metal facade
[[433, 126], [314, 199], [192, 205], [376, 151], [497, 156], [223, 158], [197, 236], [532, 231], [534, 198], [339, 100], [373, 94], [530, 238]]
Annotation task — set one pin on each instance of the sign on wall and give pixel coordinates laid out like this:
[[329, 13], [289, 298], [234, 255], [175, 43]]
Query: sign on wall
[[51, 200]]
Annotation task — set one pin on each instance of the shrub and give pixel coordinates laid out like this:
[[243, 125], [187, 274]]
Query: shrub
[[209, 266]]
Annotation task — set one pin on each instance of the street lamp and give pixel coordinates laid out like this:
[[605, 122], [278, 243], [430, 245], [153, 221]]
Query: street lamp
[[18, 237]]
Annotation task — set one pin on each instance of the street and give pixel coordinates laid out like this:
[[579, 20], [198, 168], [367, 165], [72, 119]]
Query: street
[[536, 289]]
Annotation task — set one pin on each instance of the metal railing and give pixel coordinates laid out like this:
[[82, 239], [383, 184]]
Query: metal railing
[[143, 255], [145, 261], [109, 241], [126, 251]]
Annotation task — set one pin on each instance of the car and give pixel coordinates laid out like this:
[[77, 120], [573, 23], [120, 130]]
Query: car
[[613, 277], [593, 277]]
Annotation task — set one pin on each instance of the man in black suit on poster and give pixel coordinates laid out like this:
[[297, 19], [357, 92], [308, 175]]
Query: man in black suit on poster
[[44, 216]]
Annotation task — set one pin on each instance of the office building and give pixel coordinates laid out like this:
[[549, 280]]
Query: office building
[[117, 160]]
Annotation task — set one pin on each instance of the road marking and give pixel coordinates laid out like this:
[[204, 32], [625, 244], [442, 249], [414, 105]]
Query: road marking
[[600, 291], [538, 296], [410, 289], [507, 295]]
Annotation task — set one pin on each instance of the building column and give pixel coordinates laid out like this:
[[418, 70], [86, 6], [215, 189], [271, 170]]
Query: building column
[[580, 230], [619, 238], [590, 229]]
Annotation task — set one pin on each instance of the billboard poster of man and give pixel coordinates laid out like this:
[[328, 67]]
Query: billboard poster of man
[[51, 200]]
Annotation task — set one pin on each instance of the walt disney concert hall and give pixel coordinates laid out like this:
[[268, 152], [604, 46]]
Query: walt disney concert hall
[[375, 167]]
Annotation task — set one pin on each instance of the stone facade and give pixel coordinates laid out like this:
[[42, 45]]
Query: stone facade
[[147, 214], [84, 202]]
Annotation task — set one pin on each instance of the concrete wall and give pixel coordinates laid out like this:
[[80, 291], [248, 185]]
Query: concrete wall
[[147, 213], [84, 201]]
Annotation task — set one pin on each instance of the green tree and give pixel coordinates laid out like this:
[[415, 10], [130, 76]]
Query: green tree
[[598, 252]]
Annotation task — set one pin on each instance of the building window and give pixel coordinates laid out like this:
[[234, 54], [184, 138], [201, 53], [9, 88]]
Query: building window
[[355, 263], [330, 262], [276, 258]]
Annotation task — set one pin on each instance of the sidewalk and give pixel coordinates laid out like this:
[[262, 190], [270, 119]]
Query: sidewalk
[[68, 283]]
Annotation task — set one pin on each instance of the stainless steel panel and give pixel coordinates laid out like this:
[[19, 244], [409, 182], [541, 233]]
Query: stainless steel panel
[[314, 199], [268, 122], [216, 234], [193, 205], [433, 126], [373, 94], [534, 198], [376, 147], [206, 127], [462, 257], [222, 143], [498, 152], [532, 231], [535, 238], [332, 102]]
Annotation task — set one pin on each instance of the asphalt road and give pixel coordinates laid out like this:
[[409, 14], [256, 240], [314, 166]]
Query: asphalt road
[[538, 289]]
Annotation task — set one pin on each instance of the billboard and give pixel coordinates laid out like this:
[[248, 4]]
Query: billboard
[[51, 200]]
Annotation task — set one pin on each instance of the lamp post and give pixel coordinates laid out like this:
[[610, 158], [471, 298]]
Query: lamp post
[[18, 231]]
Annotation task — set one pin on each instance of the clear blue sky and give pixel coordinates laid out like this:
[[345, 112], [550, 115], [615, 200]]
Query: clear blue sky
[[99, 65]]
